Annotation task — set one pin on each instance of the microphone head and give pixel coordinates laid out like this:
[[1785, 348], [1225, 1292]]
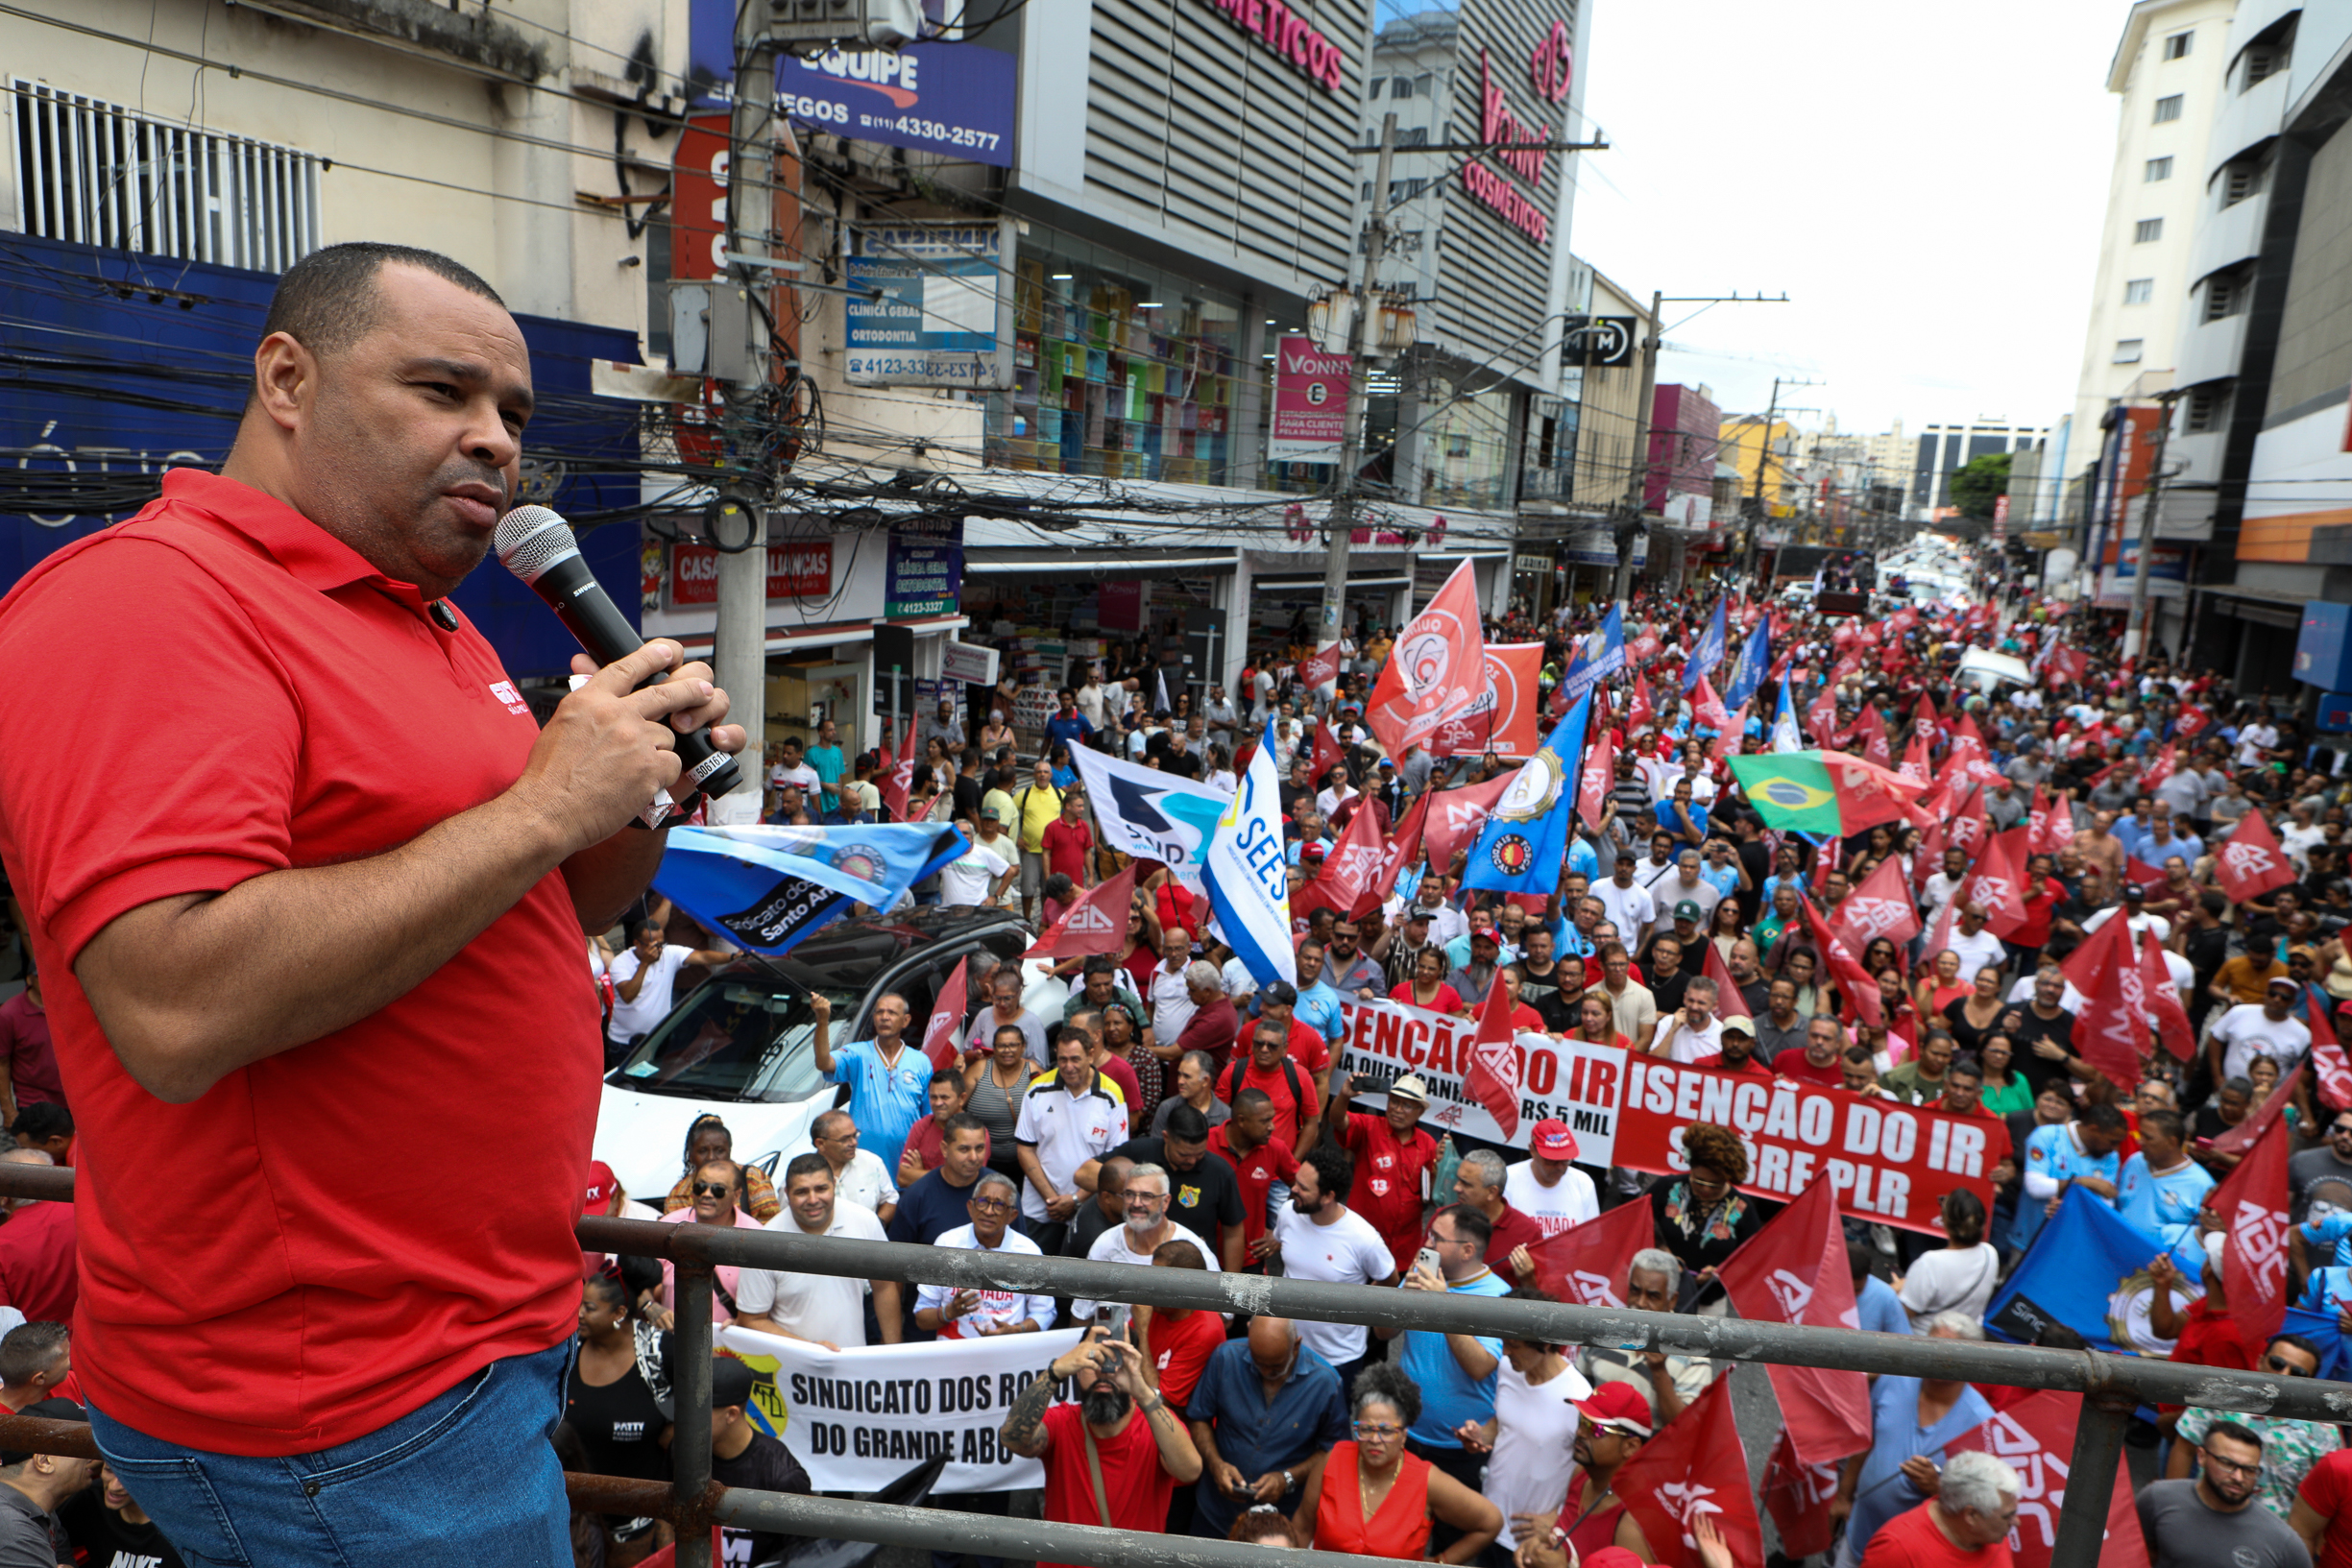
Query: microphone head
[[531, 539]]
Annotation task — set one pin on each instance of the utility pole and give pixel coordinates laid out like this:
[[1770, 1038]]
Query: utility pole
[[739, 643], [1763, 459], [1343, 521], [2135, 629]]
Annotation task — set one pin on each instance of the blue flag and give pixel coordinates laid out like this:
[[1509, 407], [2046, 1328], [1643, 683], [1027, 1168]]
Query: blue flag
[[2088, 1270], [765, 888], [1755, 660], [1785, 736], [1709, 651], [1525, 839], [1245, 875], [1586, 673]]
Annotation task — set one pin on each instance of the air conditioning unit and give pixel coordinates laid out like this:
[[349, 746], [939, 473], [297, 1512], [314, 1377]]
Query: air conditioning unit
[[809, 27]]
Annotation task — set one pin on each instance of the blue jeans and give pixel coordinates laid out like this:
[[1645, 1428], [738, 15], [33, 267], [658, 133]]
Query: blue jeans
[[468, 1480]]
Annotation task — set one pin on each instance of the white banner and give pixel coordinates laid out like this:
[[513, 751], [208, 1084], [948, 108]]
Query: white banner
[[1580, 1084], [1149, 815], [858, 1419]]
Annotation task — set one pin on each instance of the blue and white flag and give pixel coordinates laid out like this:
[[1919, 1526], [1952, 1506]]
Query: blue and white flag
[[1248, 875], [1526, 836], [765, 888], [1710, 652], [1786, 736], [1149, 815], [2088, 1270], [1755, 663], [1590, 667]]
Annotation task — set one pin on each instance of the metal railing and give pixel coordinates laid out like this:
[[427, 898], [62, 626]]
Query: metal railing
[[2112, 1386]]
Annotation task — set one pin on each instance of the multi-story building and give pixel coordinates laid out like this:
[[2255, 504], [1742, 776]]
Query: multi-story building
[[2167, 76], [1944, 450]]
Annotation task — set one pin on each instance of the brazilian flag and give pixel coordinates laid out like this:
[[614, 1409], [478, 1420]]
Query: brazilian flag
[[1791, 790]]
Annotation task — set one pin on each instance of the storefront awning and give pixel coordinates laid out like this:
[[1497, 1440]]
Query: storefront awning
[[1031, 562], [1297, 585], [797, 638]]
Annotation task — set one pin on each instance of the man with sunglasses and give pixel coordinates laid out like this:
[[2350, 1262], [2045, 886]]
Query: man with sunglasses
[[2290, 1448], [2214, 1519]]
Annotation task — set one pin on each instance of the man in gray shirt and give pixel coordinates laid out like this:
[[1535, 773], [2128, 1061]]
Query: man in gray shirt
[[32, 1486], [2212, 1519], [1415, 770]]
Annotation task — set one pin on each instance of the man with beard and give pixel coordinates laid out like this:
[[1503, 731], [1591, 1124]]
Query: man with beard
[[1141, 1232], [1738, 1053], [1319, 1237], [2212, 1519], [1138, 1444]]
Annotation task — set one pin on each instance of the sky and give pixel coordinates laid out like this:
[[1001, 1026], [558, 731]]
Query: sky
[[1925, 182]]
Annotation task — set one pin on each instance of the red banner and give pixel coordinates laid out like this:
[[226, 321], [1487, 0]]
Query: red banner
[[2251, 863], [2035, 1437], [799, 568], [1504, 719]]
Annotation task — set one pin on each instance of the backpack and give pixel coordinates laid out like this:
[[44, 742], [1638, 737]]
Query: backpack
[[1240, 1064]]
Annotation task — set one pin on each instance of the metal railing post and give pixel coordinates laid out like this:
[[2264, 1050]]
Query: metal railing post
[[2090, 1478], [690, 1442]]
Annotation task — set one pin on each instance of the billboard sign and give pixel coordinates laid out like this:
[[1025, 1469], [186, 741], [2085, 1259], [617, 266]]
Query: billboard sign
[[926, 568], [797, 568], [930, 304], [953, 99], [1310, 402]]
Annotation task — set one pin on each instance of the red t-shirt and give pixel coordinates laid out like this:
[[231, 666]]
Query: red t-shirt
[[1387, 1189], [1256, 1171], [1179, 1347], [1117, 1070], [37, 1276], [1064, 844], [1791, 1064], [26, 1054], [1912, 1540], [1135, 1484], [313, 712], [2327, 1486], [1306, 1047], [1290, 1111], [1755, 1065]]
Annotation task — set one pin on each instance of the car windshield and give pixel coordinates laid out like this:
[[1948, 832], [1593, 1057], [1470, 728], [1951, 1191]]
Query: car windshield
[[735, 1039]]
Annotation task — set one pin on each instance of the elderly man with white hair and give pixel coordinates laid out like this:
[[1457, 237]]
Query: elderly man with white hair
[[1667, 1378], [1968, 1519], [1911, 1420], [1146, 1227]]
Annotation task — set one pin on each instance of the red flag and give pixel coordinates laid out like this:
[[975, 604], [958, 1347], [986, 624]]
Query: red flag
[[1924, 723], [2163, 1006], [2252, 1203], [1874, 736], [1594, 782], [1798, 1496], [1968, 757], [1348, 869], [1968, 828], [2049, 824], [2160, 767], [1097, 922], [1706, 709], [1638, 711], [2192, 720], [2136, 870], [1915, 766], [2250, 863], [1587, 1265], [1503, 719], [1821, 718], [1726, 990], [1928, 858], [1437, 668], [1794, 1270], [940, 1036], [1855, 983], [1696, 1466], [899, 782], [2239, 1139], [1320, 669], [2035, 1437], [1455, 816], [2328, 1063], [1997, 884], [1492, 1076], [2114, 1022], [1881, 907], [1326, 754], [1404, 847]]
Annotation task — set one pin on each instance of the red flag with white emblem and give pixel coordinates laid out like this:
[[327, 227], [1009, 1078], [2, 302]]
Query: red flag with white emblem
[[1097, 922], [1326, 754], [1997, 884], [1856, 984], [1587, 1265], [2328, 1063], [1404, 847], [1455, 816], [946, 1025], [1707, 708], [1638, 711], [1881, 907], [1915, 766], [1492, 1076], [1794, 1270], [2250, 863], [1695, 1466], [1319, 671], [899, 782], [2252, 1203], [2035, 1437], [2113, 1026], [2163, 1003], [1348, 869], [1594, 782], [1873, 734], [1437, 668]]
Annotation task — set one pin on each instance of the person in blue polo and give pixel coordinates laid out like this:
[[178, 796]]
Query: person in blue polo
[[888, 1077]]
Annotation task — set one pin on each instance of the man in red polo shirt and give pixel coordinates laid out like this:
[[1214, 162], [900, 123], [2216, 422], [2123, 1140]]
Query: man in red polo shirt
[[1394, 1155], [334, 861]]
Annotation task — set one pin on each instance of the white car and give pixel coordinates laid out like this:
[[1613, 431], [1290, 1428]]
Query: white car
[[742, 1044]]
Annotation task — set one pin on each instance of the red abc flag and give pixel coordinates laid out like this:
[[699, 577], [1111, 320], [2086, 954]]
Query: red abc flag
[[1707, 708], [1915, 765], [1587, 1265], [1638, 711], [1348, 869], [1997, 884], [2249, 863], [2160, 767], [1594, 781], [2035, 1437], [1437, 668], [1404, 847], [1320, 669], [1967, 829], [2112, 1029], [1925, 724], [946, 1025], [1794, 1270], [2252, 1203], [2239, 1139], [2052, 822], [1455, 816], [1695, 1466], [2327, 1060], [1856, 984], [899, 782], [1872, 729], [1326, 754], [1492, 1076], [1797, 1495], [1881, 907], [1821, 718], [1097, 922], [2164, 1004]]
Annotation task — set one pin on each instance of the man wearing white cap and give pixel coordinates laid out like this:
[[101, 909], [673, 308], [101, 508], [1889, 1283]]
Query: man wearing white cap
[[2265, 1028], [1545, 1186]]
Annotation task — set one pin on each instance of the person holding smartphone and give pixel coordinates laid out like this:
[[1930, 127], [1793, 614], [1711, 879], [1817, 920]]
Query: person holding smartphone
[[1116, 1456]]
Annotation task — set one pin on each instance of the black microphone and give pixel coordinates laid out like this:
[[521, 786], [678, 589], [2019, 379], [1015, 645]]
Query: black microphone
[[537, 545]]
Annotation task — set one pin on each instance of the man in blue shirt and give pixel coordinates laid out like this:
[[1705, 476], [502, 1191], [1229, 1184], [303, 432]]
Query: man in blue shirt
[[1264, 1413], [1911, 1420], [1877, 1307], [889, 1078], [2078, 1154], [1067, 725], [1318, 1005], [1454, 1371], [2162, 1189]]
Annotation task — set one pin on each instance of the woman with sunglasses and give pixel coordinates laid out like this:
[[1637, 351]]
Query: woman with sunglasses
[[1702, 1218], [1374, 1500], [708, 1138]]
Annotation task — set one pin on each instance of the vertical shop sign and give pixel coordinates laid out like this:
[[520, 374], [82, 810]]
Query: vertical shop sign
[[1310, 402], [926, 569]]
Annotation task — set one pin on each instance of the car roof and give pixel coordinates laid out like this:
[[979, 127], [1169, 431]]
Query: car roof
[[849, 953]]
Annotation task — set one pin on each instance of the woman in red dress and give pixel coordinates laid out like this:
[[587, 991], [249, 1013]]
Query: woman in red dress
[[1374, 1500]]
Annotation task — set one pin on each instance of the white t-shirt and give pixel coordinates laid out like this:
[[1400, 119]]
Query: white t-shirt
[[1950, 1280], [1571, 1202], [1976, 951], [1067, 1130], [2252, 741], [968, 879], [1631, 909], [803, 776], [2157, 924], [994, 1306], [1688, 1045], [1112, 1247], [631, 1019], [1348, 1251], [1171, 1001], [2246, 1033], [1671, 892], [1535, 1430], [828, 1307]]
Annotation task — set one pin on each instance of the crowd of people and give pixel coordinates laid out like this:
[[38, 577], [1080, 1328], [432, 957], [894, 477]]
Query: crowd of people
[[1167, 1108]]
